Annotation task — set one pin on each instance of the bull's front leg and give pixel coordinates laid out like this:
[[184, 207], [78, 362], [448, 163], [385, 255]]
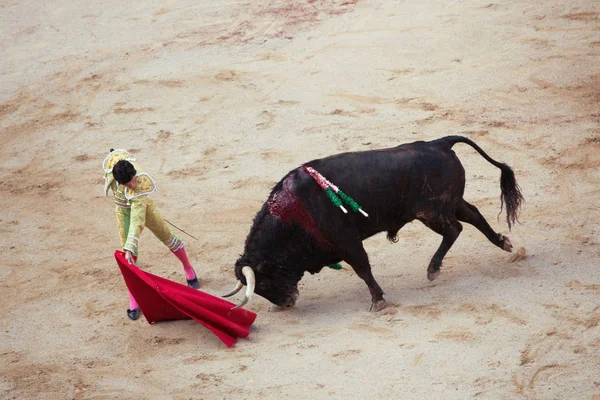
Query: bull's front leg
[[378, 303], [359, 261]]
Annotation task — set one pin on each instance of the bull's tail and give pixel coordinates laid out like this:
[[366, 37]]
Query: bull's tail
[[511, 192]]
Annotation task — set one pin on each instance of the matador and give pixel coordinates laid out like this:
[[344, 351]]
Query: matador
[[135, 210]]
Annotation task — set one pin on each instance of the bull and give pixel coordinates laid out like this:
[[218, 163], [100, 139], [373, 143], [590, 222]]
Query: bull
[[299, 230]]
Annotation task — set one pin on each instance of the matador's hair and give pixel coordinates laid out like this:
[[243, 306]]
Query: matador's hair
[[123, 171]]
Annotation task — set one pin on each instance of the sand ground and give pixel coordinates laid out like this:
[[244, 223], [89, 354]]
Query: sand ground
[[219, 100]]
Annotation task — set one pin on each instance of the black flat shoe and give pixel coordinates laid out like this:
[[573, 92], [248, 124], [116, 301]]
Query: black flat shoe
[[193, 283], [134, 314]]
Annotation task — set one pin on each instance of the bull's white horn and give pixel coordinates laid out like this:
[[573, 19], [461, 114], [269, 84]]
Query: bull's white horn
[[248, 272], [238, 286]]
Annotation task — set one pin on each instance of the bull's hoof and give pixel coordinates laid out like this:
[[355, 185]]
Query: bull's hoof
[[378, 305], [432, 275], [506, 244]]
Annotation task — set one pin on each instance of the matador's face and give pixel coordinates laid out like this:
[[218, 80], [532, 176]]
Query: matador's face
[[131, 183]]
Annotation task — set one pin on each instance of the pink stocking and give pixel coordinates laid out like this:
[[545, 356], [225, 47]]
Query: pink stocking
[[132, 303], [187, 267]]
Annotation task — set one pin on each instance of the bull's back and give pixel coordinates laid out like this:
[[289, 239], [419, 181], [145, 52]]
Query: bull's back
[[394, 184]]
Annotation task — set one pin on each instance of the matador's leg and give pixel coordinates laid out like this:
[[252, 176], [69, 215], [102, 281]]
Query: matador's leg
[[161, 230], [123, 215]]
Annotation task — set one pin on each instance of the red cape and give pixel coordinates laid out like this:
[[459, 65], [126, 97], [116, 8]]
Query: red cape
[[161, 300]]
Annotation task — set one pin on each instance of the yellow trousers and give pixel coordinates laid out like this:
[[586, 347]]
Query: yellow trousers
[[144, 213]]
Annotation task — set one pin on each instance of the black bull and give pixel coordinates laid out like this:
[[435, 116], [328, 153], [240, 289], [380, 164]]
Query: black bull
[[298, 229]]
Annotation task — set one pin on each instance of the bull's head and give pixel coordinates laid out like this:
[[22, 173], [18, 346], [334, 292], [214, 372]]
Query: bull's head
[[272, 283]]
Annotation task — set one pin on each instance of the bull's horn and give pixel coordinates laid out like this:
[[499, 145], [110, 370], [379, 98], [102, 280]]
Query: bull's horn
[[248, 272], [238, 286]]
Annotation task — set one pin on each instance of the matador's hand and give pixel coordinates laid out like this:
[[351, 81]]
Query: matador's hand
[[129, 257]]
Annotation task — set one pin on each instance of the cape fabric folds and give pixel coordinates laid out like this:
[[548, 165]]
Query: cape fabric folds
[[162, 300]]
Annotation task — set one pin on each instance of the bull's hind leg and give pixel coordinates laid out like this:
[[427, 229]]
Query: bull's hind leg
[[358, 259], [449, 228], [470, 214]]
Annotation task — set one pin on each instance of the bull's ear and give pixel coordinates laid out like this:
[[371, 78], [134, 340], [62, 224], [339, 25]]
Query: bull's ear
[[260, 268]]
